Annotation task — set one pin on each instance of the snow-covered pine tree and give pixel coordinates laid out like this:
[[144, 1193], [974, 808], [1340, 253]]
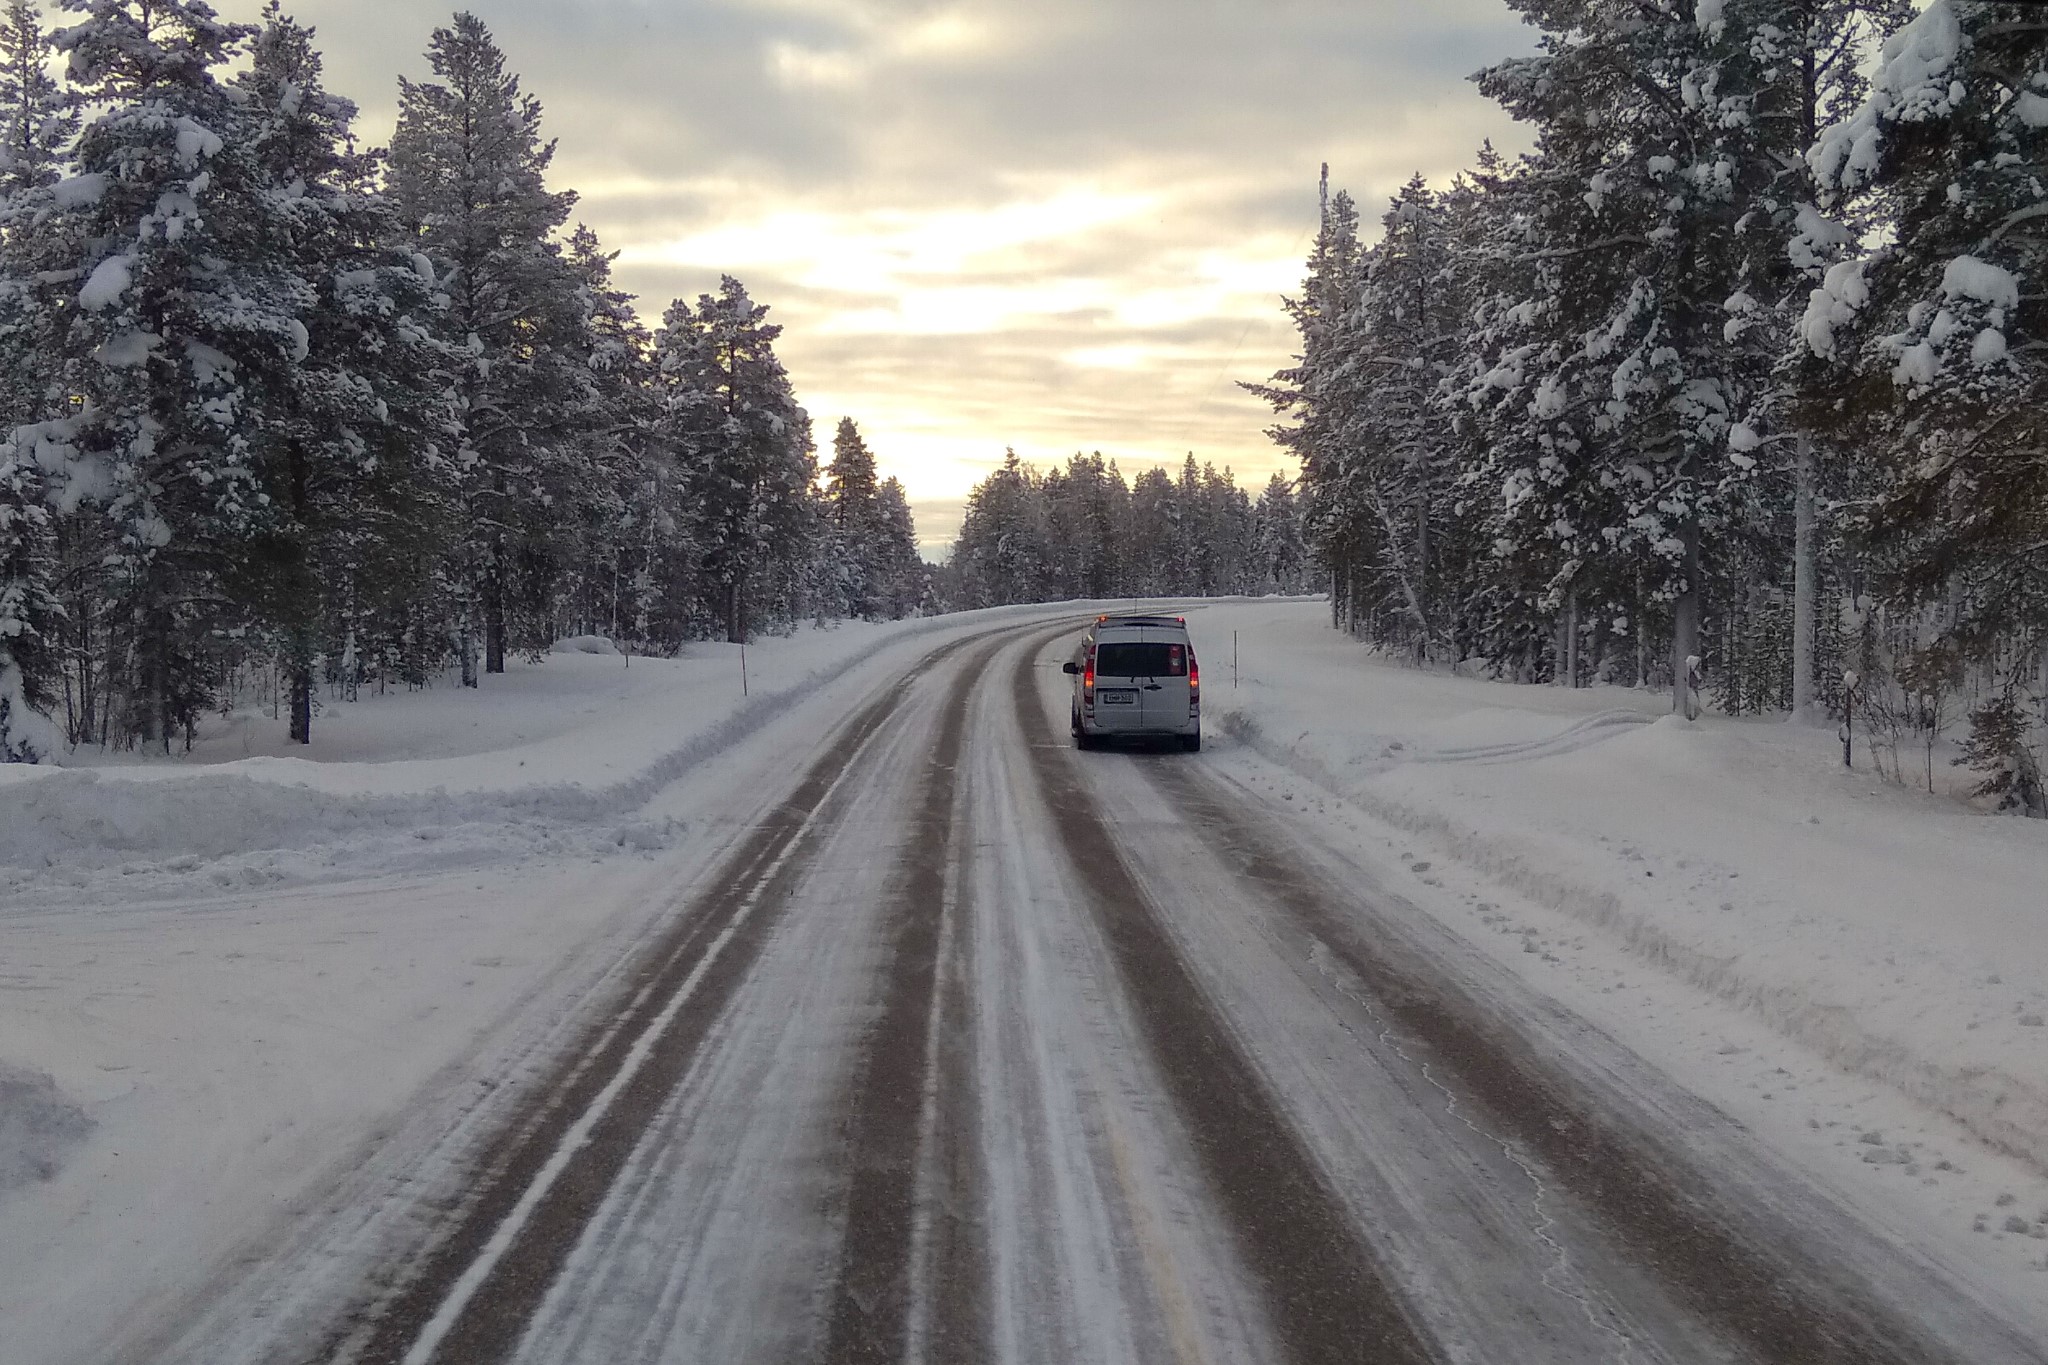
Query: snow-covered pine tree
[[1191, 566], [905, 579], [1148, 558], [29, 613], [1401, 340], [858, 551], [1280, 559], [174, 294], [746, 443], [1062, 543], [38, 117], [1643, 203], [1088, 516], [350, 428], [38, 121], [1000, 556], [1314, 397], [468, 172], [1809, 54], [1227, 511], [603, 542], [1944, 322]]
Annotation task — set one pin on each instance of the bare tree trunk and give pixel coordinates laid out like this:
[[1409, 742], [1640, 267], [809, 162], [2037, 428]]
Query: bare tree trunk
[[1419, 595], [1571, 640], [1685, 622], [1642, 627], [467, 647], [302, 697], [494, 607], [2041, 664], [300, 586], [1410, 576], [1805, 584]]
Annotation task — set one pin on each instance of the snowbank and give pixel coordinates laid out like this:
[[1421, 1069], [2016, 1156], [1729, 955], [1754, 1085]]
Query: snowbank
[[549, 758], [1897, 935]]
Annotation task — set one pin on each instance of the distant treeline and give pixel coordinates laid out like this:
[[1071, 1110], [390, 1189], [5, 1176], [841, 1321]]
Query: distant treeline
[[1083, 532]]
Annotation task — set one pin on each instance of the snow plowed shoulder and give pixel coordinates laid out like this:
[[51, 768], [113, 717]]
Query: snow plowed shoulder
[[472, 1291], [1328, 1297]]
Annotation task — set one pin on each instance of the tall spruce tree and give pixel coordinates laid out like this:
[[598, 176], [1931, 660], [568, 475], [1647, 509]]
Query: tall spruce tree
[[746, 445], [905, 582], [160, 255], [1281, 561], [38, 121], [1623, 378], [351, 451], [468, 172], [1000, 556], [38, 117], [1944, 324], [858, 551], [1316, 397], [605, 540], [29, 612]]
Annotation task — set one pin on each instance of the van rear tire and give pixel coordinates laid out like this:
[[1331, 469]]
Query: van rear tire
[[1192, 743]]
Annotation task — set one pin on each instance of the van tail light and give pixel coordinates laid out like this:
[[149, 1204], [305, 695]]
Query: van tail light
[[1088, 679], [1194, 684]]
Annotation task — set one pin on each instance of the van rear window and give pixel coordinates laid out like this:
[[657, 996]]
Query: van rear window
[[1141, 661]]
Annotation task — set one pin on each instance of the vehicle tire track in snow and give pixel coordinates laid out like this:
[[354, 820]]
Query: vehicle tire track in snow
[[1648, 1197], [1328, 1297], [471, 1293], [910, 1263]]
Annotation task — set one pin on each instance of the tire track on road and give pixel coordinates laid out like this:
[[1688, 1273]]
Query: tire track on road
[[1648, 1198], [1328, 1297], [471, 1294], [909, 1108]]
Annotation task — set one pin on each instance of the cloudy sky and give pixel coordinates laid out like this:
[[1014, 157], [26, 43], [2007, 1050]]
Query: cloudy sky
[[1056, 225]]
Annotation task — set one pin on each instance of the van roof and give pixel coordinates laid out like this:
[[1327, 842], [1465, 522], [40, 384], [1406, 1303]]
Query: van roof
[[1136, 620]]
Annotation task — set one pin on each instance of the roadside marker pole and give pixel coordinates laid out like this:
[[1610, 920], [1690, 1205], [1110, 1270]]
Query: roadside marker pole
[[743, 668], [1233, 661]]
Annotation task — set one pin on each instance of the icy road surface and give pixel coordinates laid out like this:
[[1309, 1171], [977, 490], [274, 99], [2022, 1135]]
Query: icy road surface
[[965, 1046]]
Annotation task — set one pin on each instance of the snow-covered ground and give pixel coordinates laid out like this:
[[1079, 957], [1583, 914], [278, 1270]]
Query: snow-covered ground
[[225, 977], [1856, 969]]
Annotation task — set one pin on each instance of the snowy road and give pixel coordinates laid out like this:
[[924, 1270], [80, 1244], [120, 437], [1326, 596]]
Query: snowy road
[[971, 1047]]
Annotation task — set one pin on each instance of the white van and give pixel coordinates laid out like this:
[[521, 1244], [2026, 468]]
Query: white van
[[1136, 677]]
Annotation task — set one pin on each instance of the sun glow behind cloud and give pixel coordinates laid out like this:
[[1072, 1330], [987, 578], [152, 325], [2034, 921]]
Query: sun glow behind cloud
[[878, 250]]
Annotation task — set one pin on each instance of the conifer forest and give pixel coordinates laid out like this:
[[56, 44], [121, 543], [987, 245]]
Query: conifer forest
[[1083, 531], [1737, 376], [278, 405]]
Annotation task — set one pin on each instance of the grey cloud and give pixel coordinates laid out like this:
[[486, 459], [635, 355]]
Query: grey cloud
[[674, 118]]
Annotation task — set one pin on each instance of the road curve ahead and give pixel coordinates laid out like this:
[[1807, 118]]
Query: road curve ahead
[[978, 1048]]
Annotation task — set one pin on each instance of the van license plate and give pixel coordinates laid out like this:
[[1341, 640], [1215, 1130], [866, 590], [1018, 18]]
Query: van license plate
[[1117, 697]]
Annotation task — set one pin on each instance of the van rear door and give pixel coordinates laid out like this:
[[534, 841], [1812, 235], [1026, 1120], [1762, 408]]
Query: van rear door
[[1146, 671], [1119, 689], [1166, 691]]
